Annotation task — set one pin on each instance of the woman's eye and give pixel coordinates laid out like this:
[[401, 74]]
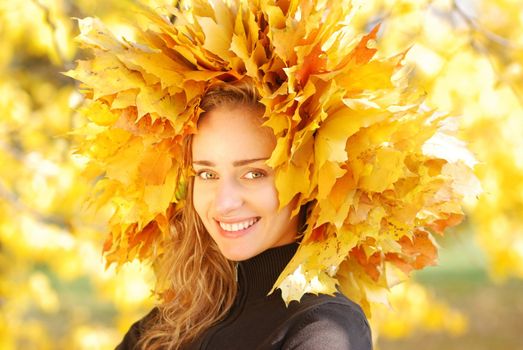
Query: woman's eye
[[254, 174], [206, 175]]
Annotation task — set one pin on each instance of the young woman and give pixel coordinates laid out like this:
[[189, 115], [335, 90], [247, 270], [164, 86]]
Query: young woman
[[250, 252], [239, 242]]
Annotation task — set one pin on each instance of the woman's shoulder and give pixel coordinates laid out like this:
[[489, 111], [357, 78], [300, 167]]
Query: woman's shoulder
[[316, 300], [323, 319], [136, 331], [325, 304]]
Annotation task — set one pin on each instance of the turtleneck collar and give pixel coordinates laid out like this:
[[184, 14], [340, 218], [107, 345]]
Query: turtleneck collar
[[257, 275]]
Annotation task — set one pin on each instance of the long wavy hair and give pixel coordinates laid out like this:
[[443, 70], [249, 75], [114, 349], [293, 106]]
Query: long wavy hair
[[202, 284]]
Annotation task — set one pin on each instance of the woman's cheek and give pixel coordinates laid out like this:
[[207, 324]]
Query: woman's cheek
[[198, 198], [268, 196]]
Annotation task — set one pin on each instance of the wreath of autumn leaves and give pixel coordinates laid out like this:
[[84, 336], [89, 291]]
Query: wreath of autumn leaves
[[352, 139]]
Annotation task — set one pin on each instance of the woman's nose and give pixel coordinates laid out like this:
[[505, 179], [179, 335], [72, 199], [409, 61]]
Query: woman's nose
[[228, 197]]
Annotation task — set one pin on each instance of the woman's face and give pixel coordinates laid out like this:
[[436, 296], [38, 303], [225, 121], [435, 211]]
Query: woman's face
[[234, 192]]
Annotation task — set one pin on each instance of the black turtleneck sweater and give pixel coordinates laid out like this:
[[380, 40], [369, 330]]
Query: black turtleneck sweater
[[258, 321]]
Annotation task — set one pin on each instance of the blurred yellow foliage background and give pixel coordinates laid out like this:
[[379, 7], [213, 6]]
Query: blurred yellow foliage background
[[54, 291]]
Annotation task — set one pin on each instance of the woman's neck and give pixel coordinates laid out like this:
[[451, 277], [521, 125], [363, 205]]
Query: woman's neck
[[257, 275]]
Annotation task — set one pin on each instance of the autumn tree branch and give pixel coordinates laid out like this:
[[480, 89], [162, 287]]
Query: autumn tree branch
[[14, 201], [474, 26], [53, 28]]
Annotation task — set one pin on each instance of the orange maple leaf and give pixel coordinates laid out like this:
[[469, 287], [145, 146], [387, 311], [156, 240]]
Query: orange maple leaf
[[315, 62]]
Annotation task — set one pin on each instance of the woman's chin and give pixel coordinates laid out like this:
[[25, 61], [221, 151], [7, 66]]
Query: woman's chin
[[237, 253]]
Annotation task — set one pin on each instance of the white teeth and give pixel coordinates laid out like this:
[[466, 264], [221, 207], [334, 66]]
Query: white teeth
[[237, 226]]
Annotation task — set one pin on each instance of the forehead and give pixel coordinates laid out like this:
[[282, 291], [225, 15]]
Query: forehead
[[232, 133]]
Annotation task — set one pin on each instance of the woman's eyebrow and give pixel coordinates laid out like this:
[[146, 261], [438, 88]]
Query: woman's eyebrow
[[235, 163]]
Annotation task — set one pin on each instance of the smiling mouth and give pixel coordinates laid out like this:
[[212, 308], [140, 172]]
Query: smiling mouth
[[238, 226]]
